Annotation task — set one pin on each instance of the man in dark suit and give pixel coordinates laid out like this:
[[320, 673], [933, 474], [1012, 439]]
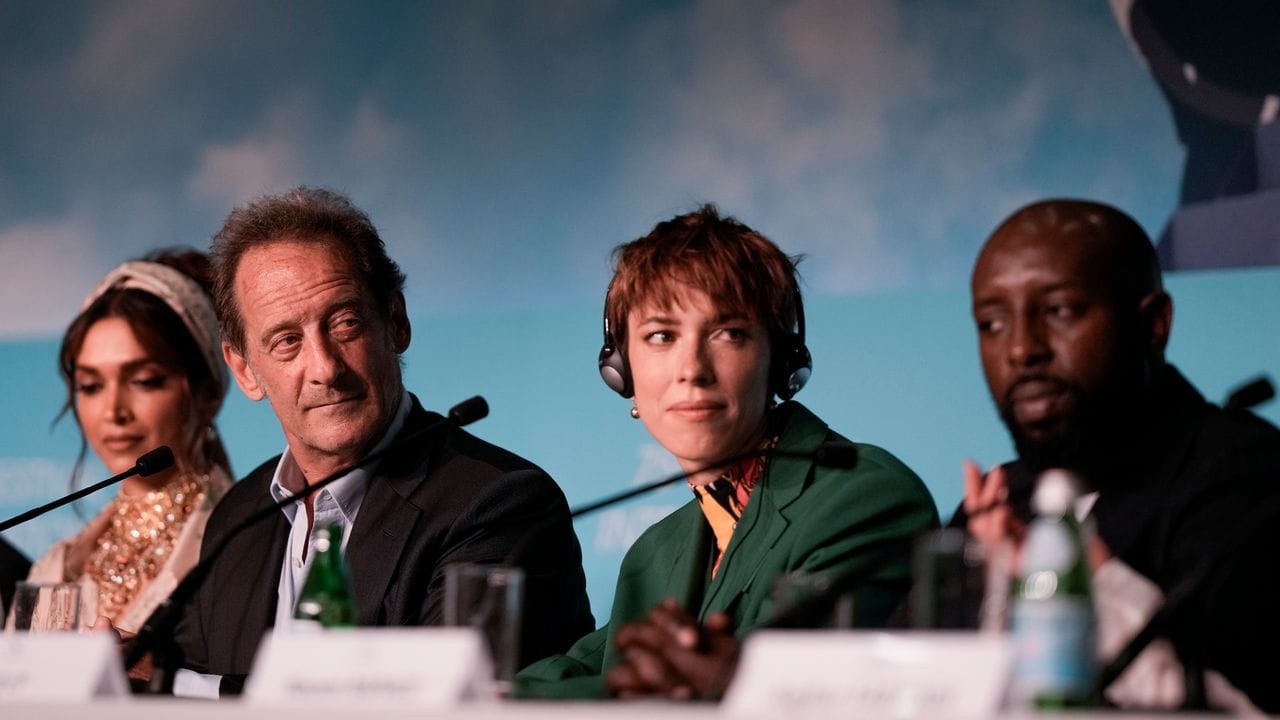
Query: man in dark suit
[[313, 319], [1072, 322]]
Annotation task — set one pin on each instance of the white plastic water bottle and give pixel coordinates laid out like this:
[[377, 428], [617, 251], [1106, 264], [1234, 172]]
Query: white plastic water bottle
[[1053, 616]]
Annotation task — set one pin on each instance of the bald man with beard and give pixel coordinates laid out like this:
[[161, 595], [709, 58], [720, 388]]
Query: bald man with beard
[[1072, 322]]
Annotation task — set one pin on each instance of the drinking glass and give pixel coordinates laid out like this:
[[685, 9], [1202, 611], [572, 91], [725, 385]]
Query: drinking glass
[[960, 584], [489, 598], [44, 607]]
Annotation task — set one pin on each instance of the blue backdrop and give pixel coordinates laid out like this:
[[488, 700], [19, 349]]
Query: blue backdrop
[[503, 148], [896, 369]]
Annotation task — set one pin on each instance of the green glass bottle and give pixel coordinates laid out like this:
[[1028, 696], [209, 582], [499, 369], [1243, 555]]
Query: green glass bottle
[[327, 599]]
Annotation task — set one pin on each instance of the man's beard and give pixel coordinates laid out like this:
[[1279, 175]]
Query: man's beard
[[1078, 440]]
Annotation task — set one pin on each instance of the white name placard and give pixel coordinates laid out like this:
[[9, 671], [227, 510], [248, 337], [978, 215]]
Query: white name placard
[[60, 667], [404, 667], [871, 674]]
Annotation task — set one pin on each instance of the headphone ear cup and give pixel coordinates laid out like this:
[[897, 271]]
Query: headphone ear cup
[[614, 370], [794, 370]]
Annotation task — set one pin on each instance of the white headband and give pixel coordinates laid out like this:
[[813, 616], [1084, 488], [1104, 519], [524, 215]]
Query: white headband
[[183, 295]]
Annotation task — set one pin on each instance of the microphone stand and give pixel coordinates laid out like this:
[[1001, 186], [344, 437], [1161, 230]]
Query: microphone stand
[[148, 464], [156, 634], [827, 455]]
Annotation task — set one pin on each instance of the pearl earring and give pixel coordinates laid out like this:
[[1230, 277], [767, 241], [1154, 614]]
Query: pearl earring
[[635, 413]]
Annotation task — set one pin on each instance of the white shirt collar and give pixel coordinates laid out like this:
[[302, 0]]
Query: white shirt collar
[[346, 492]]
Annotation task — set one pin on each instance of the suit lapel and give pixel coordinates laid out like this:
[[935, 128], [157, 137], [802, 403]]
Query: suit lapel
[[252, 565], [764, 520], [373, 553], [687, 560], [761, 526], [386, 522]]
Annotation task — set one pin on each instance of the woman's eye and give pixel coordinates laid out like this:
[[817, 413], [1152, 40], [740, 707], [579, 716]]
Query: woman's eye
[[88, 388], [659, 337], [151, 382]]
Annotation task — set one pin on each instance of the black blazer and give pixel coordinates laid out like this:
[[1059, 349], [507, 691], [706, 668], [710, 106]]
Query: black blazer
[[447, 498]]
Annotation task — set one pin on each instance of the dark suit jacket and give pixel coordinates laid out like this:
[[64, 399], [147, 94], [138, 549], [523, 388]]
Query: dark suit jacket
[[446, 498], [1194, 492]]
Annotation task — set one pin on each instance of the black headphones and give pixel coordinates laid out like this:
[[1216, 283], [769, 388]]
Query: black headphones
[[789, 372]]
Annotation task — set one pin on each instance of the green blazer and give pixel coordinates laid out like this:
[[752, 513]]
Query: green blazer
[[802, 517]]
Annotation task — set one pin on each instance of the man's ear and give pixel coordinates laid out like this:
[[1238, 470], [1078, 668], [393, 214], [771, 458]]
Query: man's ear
[[244, 375], [401, 333], [1156, 312]]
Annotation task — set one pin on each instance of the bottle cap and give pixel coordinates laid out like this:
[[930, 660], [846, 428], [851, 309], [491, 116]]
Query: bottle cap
[[1055, 491], [325, 535]]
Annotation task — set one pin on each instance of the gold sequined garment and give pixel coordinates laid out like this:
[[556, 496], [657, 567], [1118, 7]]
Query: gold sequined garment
[[138, 540]]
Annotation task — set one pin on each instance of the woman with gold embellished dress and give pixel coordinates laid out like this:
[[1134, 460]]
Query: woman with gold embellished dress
[[143, 367]]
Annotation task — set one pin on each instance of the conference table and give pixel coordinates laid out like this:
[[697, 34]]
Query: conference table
[[172, 709], [364, 675]]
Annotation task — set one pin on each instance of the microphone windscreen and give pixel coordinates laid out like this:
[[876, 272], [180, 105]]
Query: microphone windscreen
[[469, 410], [836, 455], [155, 461]]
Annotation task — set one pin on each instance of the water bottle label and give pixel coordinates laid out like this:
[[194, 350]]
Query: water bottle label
[[1054, 641]]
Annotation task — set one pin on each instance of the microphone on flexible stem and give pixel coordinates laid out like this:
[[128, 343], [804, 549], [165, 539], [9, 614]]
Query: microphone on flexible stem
[[149, 464], [468, 411], [1250, 394], [158, 628], [837, 455]]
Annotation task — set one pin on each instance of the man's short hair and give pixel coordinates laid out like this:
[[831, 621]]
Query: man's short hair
[[737, 267], [302, 215]]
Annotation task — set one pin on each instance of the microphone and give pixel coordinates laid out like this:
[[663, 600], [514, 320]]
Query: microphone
[[149, 464], [836, 455], [159, 625], [155, 461], [468, 411], [1250, 394]]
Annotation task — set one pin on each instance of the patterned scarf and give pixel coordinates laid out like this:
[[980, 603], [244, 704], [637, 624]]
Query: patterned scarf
[[724, 499]]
